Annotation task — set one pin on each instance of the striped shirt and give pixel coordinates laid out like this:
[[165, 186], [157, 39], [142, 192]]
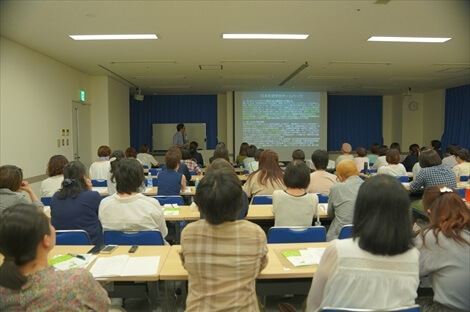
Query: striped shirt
[[223, 262]]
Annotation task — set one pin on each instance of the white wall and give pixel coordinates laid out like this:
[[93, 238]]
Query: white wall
[[118, 101]]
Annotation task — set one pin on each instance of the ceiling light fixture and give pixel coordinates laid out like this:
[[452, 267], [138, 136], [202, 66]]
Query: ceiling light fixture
[[264, 36], [114, 37], [408, 39]]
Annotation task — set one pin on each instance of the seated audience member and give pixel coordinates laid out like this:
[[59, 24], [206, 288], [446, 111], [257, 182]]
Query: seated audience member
[[250, 156], [374, 153], [436, 145], [396, 146], [361, 158], [11, 187], [191, 164], [343, 197], [115, 158], [463, 168], [320, 180], [128, 210], [445, 250], [75, 205], [378, 268], [393, 167], [298, 154], [54, 170], [345, 153], [223, 256], [145, 158], [220, 163], [27, 282], [412, 158], [295, 207], [170, 181], [254, 165], [449, 159], [195, 154], [242, 153], [268, 178], [417, 167], [219, 146], [131, 153], [99, 169], [432, 172], [182, 168], [381, 160]]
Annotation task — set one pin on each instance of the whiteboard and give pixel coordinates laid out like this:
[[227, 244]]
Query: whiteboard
[[162, 135]]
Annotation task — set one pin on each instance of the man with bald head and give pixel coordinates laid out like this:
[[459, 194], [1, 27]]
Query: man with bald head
[[343, 197]]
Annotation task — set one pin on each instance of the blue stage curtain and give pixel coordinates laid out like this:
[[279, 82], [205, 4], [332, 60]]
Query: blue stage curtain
[[457, 117], [356, 120], [172, 109]]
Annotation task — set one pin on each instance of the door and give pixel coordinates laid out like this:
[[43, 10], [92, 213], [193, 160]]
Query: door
[[81, 137]]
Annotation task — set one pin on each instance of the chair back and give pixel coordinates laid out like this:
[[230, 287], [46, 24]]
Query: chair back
[[460, 190], [262, 200], [154, 182], [149, 237], [412, 308], [281, 234], [322, 198], [145, 166], [372, 170], [346, 231], [464, 178], [154, 171], [404, 179], [99, 183], [46, 201], [72, 237], [169, 200], [193, 172]]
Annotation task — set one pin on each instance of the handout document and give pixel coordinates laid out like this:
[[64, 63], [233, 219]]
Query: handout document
[[124, 265]]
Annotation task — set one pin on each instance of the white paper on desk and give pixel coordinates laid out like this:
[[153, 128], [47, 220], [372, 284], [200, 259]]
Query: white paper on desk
[[187, 190], [148, 189], [323, 207], [75, 262], [125, 266], [100, 189], [171, 210], [314, 254]]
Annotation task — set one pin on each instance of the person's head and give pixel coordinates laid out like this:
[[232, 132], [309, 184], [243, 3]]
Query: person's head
[[414, 149], [185, 154], [393, 156], [320, 159], [269, 168], [436, 144], [381, 216], [243, 148], [24, 232], [396, 145], [374, 148], [104, 151], [219, 196], [115, 158], [447, 212], [298, 154], [129, 176], [144, 148], [172, 158], [451, 150], [383, 150], [193, 147], [221, 152], [346, 148], [131, 152], [75, 180], [251, 151], [219, 163], [11, 177], [361, 152], [429, 158], [345, 169], [297, 175], [462, 155], [258, 153], [180, 128], [56, 164]]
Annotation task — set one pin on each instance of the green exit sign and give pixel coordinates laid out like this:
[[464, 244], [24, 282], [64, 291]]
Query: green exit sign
[[82, 95]]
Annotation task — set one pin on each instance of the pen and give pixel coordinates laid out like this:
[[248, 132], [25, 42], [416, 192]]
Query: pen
[[76, 256]]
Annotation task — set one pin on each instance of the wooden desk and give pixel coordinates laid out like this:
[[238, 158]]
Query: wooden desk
[[173, 268], [264, 212]]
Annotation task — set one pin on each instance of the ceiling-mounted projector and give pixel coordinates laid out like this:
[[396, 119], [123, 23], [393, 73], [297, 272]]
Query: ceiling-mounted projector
[[138, 96]]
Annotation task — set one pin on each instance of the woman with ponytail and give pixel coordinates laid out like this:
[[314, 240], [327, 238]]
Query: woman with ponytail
[[445, 250], [75, 205], [27, 283]]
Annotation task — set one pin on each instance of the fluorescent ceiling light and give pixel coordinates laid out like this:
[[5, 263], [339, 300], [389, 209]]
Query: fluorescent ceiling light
[[114, 37], [408, 39], [264, 36]]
